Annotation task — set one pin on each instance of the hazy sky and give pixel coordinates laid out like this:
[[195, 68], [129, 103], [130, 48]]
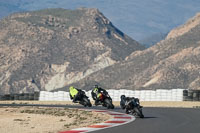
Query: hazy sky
[[137, 18]]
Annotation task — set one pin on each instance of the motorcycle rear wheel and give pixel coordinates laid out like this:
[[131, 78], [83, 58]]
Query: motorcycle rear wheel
[[87, 102], [109, 104]]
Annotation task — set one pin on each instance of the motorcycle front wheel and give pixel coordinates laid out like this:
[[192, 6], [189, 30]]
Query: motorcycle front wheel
[[139, 112]]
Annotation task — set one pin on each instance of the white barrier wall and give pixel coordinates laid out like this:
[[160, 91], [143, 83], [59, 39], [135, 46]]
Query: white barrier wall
[[54, 96], [143, 95]]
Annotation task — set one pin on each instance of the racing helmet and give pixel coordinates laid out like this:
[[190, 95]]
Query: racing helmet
[[95, 86], [71, 88], [123, 96]]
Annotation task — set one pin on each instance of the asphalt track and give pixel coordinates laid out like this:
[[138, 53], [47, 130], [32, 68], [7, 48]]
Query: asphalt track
[[157, 120]]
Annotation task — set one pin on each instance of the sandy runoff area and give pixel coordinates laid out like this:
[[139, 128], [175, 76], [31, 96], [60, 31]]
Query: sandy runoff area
[[45, 120]]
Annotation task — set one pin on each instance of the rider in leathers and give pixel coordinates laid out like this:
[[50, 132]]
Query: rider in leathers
[[96, 94], [125, 100], [74, 93]]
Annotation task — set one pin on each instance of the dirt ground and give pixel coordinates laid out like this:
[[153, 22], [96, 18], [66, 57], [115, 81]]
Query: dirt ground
[[52, 120], [45, 120]]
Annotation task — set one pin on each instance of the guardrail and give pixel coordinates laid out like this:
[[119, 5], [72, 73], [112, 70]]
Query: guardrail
[[143, 95], [22, 96]]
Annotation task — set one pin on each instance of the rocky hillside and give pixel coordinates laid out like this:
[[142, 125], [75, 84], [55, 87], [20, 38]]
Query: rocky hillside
[[172, 63], [49, 49]]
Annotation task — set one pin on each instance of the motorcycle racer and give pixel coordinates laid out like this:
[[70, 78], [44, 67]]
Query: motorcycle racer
[[96, 94]]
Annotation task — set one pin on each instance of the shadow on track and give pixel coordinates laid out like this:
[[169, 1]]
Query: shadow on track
[[149, 117]]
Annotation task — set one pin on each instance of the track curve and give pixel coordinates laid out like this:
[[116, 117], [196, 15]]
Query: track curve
[[162, 120], [157, 120]]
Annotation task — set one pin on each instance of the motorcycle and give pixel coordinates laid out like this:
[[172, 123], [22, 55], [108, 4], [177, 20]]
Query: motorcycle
[[133, 107], [83, 99], [106, 100]]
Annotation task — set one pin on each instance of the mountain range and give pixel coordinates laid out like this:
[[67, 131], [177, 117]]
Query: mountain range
[[171, 63], [52, 48]]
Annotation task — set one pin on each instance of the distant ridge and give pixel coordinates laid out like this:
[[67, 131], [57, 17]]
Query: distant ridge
[[51, 48], [171, 63]]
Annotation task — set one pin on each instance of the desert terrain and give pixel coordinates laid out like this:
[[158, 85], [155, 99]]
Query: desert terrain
[[45, 120]]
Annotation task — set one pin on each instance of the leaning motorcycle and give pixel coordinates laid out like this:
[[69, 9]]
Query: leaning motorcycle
[[106, 100], [83, 99], [133, 107]]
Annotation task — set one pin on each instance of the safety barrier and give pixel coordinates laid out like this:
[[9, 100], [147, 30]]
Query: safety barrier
[[143, 95], [22, 96], [54, 96], [191, 95]]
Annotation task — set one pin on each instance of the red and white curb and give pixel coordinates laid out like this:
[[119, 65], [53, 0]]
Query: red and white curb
[[116, 120]]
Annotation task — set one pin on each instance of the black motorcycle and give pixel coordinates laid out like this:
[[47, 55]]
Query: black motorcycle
[[106, 100], [83, 99], [132, 106]]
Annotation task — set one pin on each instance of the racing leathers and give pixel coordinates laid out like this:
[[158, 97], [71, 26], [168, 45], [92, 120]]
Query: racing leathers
[[74, 93], [96, 94], [126, 100]]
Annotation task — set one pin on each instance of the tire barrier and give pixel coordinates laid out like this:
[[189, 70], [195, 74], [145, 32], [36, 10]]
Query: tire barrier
[[22, 96], [196, 95], [36, 95], [191, 95], [16, 96]]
